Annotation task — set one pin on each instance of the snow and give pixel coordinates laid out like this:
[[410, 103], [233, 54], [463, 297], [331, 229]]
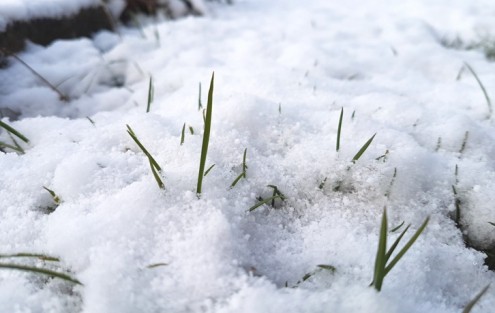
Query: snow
[[283, 71]]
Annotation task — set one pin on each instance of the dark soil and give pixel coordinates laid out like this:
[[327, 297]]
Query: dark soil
[[43, 31]]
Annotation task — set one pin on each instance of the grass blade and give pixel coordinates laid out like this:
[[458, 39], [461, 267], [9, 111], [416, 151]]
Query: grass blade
[[183, 134], [407, 246], [206, 136], [381, 258], [155, 168], [209, 169], [156, 265], [14, 132], [151, 92], [363, 149], [392, 181], [159, 181], [397, 227], [55, 197], [339, 129], [42, 271], [475, 300], [464, 142], [30, 255], [241, 175], [244, 166], [200, 105], [16, 149], [16, 144], [62, 96], [90, 120], [191, 130], [244, 170], [276, 192], [265, 201], [488, 101], [140, 145], [396, 242], [327, 267]]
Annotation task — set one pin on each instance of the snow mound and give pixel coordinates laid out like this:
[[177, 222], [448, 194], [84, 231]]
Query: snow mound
[[283, 73]]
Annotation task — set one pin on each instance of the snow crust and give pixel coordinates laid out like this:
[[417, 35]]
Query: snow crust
[[283, 71]]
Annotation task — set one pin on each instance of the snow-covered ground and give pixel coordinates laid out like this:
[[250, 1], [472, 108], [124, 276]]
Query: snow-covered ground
[[283, 71]]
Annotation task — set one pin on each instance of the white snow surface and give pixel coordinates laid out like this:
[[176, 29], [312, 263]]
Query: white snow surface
[[283, 71]]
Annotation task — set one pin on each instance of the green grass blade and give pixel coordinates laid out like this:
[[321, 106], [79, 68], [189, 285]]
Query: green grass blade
[[183, 134], [159, 181], [55, 197], [16, 144], [90, 120], [475, 300], [31, 255], [391, 185], [244, 170], [157, 265], [13, 132], [488, 101], [151, 92], [265, 201], [200, 105], [206, 136], [244, 166], [209, 169], [191, 130], [241, 175], [363, 149], [41, 271], [393, 230], [457, 203], [464, 142], [381, 259], [396, 242], [407, 246], [140, 145], [327, 267], [16, 149], [339, 129]]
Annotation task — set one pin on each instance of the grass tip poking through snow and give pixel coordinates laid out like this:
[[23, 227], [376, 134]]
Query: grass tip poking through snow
[[206, 136], [151, 94], [485, 93], [382, 266], [363, 149], [13, 131], [244, 170], [339, 129], [472, 303], [155, 168]]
